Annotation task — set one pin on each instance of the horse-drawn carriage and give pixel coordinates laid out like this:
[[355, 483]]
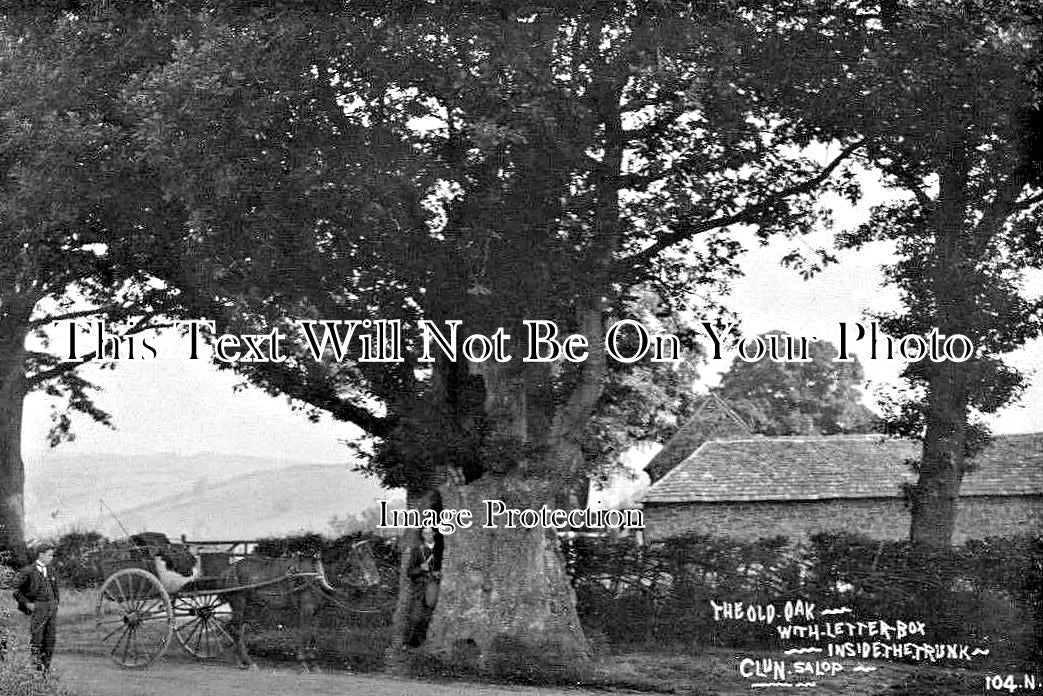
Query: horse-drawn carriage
[[198, 592]]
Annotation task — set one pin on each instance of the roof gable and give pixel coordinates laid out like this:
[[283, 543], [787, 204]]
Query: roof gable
[[713, 419], [839, 466]]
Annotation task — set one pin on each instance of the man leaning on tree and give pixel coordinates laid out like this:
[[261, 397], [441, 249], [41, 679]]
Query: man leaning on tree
[[36, 591]]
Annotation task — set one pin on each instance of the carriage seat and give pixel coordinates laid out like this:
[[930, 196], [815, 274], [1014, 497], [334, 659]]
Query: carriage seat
[[175, 565]]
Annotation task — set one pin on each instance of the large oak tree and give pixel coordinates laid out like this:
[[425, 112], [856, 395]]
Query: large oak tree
[[552, 160], [456, 161]]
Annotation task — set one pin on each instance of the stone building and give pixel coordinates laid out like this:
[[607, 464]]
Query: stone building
[[758, 487]]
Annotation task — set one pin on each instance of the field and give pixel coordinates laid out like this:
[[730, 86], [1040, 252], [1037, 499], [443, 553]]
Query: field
[[85, 670], [204, 496]]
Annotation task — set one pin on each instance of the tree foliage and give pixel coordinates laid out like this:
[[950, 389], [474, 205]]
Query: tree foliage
[[947, 97], [819, 397], [84, 228], [545, 164], [525, 164], [100, 221], [453, 161]]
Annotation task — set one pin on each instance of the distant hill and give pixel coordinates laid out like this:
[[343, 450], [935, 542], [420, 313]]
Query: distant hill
[[202, 496]]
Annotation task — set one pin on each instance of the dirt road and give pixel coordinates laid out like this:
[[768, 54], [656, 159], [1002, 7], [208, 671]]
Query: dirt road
[[96, 676]]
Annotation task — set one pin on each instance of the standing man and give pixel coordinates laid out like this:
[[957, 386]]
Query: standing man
[[36, 591], [425, 574]]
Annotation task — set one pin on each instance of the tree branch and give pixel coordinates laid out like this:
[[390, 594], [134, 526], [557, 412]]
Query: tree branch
[[638, 104], [570, 419], [640, 181], [1027, 203], [658, 124], [143, 324], [51, 318], [1004, 204], [278, 379], [909, 181], [747, 215]]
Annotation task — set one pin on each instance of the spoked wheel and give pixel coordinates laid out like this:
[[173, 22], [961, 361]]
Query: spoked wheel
[[134, 617], [202, 624]]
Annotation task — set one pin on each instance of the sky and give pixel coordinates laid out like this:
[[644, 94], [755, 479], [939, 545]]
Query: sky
[[173, 404], [187, 406]]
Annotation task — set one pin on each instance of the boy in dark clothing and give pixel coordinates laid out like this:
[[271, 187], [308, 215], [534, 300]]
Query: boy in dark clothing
[[36, 591], [425, 574]]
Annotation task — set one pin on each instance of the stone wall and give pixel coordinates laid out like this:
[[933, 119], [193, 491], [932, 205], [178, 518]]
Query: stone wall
[[880, 518]]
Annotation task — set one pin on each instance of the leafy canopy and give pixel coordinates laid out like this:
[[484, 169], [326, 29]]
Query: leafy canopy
[[820, 397]]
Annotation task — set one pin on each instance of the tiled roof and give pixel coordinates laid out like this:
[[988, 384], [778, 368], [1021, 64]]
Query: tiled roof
[[839, 466], [712, 419]]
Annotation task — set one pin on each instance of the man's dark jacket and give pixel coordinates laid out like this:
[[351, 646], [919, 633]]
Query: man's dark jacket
[[32, 586]]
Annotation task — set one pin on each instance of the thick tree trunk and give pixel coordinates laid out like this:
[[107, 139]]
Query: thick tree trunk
[[935, 499], [506, 605], [941, 470], [12, 471], [941, 467], [423, 495]]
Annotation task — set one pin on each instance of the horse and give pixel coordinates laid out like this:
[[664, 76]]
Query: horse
[[218, 593], [296, 585]]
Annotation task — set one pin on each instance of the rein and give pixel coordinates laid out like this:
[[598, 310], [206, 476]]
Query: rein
[[292, 581], [311, 580], [273, 581], [333, 594]]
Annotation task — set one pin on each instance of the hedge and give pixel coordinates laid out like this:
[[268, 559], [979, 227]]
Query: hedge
[[985, 592]]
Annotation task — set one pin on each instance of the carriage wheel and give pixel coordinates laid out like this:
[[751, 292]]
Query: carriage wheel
[[134, 617], [202, 624]]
